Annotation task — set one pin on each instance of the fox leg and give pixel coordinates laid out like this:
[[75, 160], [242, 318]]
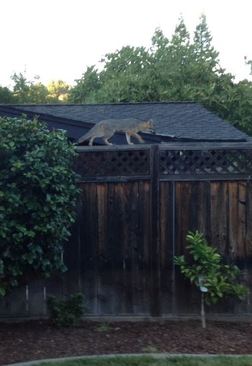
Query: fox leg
[[107, 136], [91, 141], [107, 141], [128, 138], [138, 137]]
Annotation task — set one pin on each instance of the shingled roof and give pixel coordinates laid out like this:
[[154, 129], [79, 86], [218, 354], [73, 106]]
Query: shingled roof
[[184, 120]]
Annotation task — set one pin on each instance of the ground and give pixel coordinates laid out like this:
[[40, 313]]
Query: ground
[[38, 339]]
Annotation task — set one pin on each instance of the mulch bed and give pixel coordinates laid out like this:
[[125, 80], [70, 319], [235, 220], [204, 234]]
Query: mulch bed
[[38, 339]]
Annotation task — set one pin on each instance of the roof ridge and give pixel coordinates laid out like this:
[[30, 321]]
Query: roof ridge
[[99, 104]]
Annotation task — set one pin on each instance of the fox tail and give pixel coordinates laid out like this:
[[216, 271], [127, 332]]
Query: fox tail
[[85, 137]]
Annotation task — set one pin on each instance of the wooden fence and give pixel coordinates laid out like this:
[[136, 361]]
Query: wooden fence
[[136, 206]]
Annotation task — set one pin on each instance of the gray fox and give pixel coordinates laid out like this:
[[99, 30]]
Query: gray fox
[[107, 127]]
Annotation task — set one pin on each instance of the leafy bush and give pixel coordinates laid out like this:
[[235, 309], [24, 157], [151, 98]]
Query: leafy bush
[[206, 270], [37, 199], [66, 312]]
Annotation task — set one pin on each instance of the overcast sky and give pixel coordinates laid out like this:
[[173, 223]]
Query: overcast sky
[[57, 39]]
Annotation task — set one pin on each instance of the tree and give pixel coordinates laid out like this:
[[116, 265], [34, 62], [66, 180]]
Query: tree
[[249, 63], [57, 91], [21, 88], [206, 270], [33, 91], [171, 70], [123, 78], [164, 72], [27, 91], [6, 96], [37, 199], [203, 49], [86, 87]]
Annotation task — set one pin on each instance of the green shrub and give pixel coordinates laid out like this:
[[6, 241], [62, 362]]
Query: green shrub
[[206, 270], [67, 311], [37, 199]]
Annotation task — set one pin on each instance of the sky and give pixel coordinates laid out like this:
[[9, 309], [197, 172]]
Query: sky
[[58, 39]]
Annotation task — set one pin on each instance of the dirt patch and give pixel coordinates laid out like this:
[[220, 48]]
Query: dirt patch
[[38, 339]]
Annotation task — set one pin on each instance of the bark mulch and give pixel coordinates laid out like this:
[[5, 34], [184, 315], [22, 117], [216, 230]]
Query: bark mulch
[[38, 339]]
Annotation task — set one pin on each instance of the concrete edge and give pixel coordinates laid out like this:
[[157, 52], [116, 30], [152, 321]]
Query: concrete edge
[[123, 355], [246, 318]]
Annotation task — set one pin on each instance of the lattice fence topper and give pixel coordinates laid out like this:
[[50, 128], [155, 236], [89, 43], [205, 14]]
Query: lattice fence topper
[[182, 162], [205, 162], [113, 163]]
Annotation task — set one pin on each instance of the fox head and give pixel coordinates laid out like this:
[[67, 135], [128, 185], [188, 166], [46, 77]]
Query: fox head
[[149, 126]]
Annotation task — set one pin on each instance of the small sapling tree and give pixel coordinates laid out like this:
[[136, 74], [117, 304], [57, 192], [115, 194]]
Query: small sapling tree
[[207, 271], [37, 199]]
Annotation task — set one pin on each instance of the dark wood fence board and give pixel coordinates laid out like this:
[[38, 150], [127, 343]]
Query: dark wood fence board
[[183, 214], [89, 240], [167, 224], [144, 245], [219, 217], [241, 222], [36, 304], [122, 239], [204, 207], [233, 218], [248, 239], [167, 228], [137, 273], [145, 223], [102, 203], [15, 304]]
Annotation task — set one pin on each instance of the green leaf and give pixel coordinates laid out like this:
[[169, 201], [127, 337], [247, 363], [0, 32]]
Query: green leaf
[[2, 291]]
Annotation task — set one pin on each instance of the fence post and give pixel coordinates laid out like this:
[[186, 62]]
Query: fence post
[[155, 303]]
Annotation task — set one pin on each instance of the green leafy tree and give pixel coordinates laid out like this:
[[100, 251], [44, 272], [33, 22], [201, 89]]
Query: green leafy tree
[[27, 91], [33, 91], [57, 91], [203, 49], [123, 78], [21, 88], [38, 93], [37, 199], [86, 87], [249, 63], [205, 269], [6, 96], [172, 69], [174, 62], [164, 72]]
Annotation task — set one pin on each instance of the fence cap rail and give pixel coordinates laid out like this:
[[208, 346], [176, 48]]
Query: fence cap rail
[[170, 146], [113, 148], [206, 146]]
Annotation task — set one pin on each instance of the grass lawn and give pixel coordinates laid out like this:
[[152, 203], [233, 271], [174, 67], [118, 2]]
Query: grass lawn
[[150, 361]]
